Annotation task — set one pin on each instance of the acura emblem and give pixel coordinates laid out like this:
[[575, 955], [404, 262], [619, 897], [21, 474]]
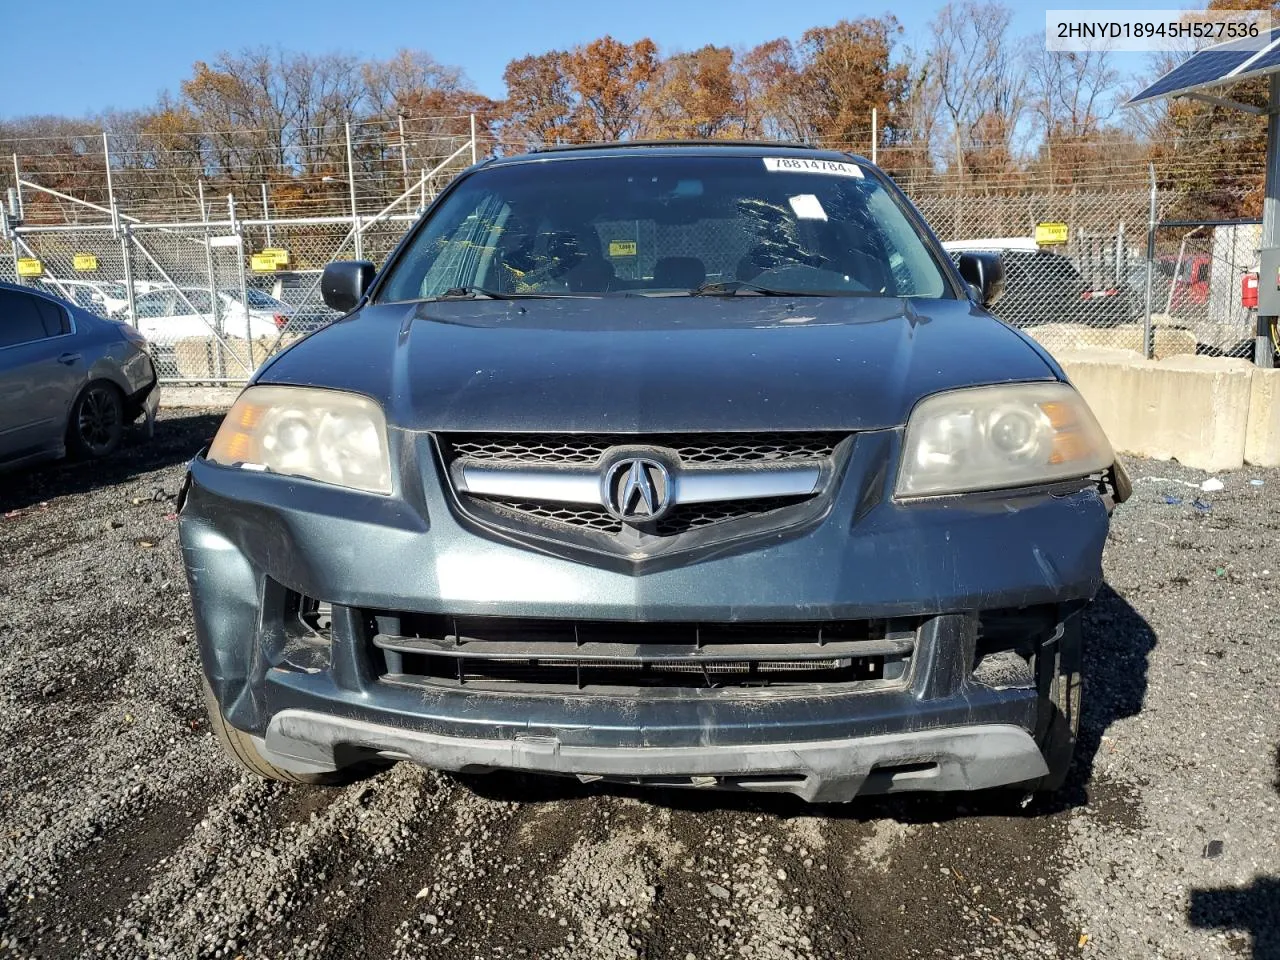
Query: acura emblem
[[637, 489]]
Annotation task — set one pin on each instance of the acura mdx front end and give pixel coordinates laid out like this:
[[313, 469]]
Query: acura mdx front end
[[695, 465]]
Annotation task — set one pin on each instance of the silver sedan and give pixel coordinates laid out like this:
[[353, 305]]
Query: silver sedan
[[70, 382]]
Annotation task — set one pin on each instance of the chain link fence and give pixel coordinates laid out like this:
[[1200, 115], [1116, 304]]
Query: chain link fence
[[1198, 286], [217, 298]]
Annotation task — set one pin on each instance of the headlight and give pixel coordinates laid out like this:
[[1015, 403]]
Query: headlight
[[325, 435], [986, 438]]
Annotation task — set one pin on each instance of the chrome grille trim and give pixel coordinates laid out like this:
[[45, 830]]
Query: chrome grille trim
[[566, 485], [581, 485], [526, 483], [712, 485]]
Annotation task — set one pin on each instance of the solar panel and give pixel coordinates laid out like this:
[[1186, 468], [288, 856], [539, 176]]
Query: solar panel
[[1268, 61], [1220, 64]]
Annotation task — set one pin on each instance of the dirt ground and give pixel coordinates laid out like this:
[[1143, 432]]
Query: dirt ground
[[124, 833]]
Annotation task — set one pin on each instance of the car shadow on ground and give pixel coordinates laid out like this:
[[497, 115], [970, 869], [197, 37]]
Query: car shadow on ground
[[1118, 645], [177, 439], [1252, 911]]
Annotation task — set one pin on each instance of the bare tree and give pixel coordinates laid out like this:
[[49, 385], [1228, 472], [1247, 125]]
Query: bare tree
[[908, 151], [978, 82], [1071, 93]]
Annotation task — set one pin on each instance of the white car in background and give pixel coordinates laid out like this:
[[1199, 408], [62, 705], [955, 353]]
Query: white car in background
[[106, 298], [166, 316]]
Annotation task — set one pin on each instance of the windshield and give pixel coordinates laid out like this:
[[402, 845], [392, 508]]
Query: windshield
[[661, 226], [199, 299]]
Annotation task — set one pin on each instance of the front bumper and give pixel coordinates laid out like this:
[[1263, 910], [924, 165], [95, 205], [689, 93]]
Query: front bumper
[[248, 537], [955, 758]]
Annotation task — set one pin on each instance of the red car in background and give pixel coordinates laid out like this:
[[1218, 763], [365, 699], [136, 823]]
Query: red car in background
[[1189, 276]]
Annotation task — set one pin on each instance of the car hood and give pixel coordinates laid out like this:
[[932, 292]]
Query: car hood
[[658, 364]]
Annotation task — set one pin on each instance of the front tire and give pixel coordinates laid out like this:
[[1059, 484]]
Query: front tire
[[243, 752], [97, 422]]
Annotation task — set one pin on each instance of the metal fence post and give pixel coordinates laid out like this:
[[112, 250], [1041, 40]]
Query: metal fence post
[[106, 159], [351, 183], [213, 282], [1147, 345], [473, 138], [126, 258], [17, 182], [404, 152], [266, 214], [1263, 348], [244, 283]]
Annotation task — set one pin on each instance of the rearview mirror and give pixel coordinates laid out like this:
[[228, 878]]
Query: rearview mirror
[[985, 273], [344, 282]]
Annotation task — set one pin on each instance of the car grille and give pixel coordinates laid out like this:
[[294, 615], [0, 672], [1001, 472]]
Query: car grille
[[681, 519], [698, 450], [725, 448], [550, 655]]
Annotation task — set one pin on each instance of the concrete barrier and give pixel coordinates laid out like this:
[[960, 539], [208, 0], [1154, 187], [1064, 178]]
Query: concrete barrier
[[176, 396], [1262, 435], [1194, 409], [205, 358], [1168, 339]]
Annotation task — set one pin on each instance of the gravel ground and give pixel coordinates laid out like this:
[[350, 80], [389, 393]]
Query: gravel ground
[[123, 833]]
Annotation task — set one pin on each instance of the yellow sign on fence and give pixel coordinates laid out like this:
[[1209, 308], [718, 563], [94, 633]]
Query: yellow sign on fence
[[1049, 234], [30, 267], [264, 262], [281, 255], [85, 262], [622, 248]]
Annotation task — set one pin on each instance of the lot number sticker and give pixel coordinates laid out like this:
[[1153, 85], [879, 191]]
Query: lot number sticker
[[835, 168], [807, 207]]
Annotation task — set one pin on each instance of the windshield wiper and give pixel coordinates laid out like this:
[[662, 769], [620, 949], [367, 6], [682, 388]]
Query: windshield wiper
[[473, 292], [729, 288]]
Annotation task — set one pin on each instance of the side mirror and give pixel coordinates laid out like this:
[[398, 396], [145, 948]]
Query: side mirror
[[985, 273], [344, 282]]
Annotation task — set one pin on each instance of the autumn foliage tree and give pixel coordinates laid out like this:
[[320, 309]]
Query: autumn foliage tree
[[539, 104], [844, 71], [698, 95]]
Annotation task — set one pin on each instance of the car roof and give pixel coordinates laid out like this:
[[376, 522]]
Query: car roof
[[23, 288], [43, 293], [676, 148]]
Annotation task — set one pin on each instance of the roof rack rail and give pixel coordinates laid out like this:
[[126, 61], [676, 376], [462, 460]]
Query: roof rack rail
[[627, 144]]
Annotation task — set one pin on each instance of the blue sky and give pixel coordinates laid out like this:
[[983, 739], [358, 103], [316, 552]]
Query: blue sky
[[122, 55]]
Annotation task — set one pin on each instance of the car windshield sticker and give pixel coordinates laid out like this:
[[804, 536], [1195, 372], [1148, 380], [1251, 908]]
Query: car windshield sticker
[[835, 168], [808, 207]]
